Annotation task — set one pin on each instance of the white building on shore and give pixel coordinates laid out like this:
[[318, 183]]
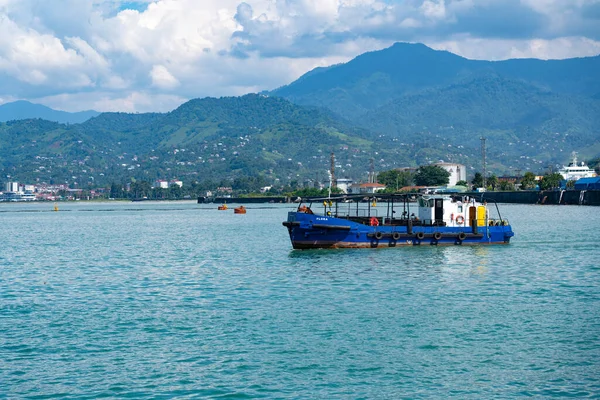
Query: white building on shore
[[366, 188], [12, 187], [458, 172], [343, 184]]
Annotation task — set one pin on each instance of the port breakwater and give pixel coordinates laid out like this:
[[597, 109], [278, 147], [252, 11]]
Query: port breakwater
[[555, 197], [244, 200], [550, 197]]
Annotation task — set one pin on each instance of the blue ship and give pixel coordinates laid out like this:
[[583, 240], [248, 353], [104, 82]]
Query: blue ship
[[394, 221]]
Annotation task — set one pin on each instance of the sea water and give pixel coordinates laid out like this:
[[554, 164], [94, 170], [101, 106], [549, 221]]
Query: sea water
[[180, 300]]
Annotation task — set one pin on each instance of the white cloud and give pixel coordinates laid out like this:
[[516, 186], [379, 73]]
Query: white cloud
[[134, 101], [162, 78], [434, 9], [80, 54], [497, 49]]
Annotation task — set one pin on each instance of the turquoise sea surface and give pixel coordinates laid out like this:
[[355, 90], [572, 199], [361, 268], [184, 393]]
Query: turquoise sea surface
[[179, 300]]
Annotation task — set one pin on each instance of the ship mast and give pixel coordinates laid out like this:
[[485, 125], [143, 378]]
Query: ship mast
[[483, 160]]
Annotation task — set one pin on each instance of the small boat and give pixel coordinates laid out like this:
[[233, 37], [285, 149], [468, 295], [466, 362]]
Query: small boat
[[394, 221], [223, 207], [239, 210]]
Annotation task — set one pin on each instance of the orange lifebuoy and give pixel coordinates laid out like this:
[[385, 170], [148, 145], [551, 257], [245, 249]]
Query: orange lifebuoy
[[374, 221], [460, 219]]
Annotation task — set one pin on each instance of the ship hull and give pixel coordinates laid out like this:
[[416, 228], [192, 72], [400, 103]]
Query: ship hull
[[309, 231]]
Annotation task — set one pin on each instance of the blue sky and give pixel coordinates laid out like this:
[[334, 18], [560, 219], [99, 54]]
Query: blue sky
[[113, 55], [140, 6]]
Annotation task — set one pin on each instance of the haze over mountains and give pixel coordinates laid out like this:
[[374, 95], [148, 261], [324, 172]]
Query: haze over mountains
[[26, 110], [402, 106]]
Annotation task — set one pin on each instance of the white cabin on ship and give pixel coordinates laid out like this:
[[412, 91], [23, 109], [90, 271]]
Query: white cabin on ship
[[452, 211]]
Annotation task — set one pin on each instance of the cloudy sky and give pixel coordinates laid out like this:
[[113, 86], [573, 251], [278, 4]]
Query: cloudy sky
[[152, 55]]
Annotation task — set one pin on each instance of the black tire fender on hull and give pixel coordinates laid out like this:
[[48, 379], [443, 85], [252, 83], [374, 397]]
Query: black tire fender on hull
[[375, 244]]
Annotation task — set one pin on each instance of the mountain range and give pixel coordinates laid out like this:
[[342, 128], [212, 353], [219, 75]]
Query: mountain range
[[407, 105], [22, 109], [374, 79], [203, 139]]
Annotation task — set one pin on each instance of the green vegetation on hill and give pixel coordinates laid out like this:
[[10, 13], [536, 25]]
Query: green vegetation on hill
[[400, 107], [438, 104], [206, 139], [373, 79]]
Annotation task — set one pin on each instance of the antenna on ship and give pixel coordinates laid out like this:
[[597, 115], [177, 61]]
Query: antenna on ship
[[483, 160]]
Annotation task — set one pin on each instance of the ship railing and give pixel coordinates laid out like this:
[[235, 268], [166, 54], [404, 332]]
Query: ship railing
[[430, 222], [497, 222], [360, 213]]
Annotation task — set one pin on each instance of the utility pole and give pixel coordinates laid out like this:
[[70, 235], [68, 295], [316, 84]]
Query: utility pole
[[483, 159], [332, 169]]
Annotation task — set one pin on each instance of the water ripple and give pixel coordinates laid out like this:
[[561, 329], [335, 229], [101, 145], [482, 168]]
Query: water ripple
[[176, 300]]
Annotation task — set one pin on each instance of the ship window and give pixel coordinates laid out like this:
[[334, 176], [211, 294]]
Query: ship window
[[460, 209], [425, 203]]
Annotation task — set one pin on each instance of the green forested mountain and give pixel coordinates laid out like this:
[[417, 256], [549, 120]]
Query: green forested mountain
[[404, 106], [202, 139], [533, 112], [374, 79], [486, 102], [518, 118]]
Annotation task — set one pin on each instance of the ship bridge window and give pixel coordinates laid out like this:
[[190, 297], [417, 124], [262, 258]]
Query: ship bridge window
[[425, 202]]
